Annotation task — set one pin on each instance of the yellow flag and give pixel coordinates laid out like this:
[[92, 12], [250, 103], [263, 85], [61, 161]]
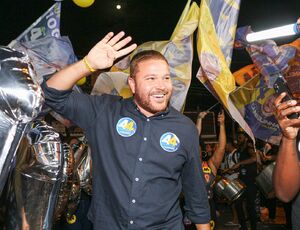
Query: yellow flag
[[214, 72], [178, 51]]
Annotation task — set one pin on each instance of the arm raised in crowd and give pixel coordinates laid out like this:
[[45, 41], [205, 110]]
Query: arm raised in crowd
[[217, 157], [201, 115], [101, 56], [286, 176]]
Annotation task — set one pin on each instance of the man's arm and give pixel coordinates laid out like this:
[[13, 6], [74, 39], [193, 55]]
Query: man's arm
[[193, 184], [286, 175], [101, 56], [251, 160], [203, 226], [217, 157], [200, 116]]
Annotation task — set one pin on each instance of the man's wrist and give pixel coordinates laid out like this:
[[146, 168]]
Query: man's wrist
[[88, 65], [287, 138]]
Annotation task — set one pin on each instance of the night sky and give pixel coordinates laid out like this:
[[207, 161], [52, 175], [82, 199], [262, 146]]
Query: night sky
[[144, 20]]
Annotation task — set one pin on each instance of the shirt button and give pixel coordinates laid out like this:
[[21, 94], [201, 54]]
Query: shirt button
[[148, 119], [136, 179], [145, 138], [133, 201], [131, 222], [140, 159]]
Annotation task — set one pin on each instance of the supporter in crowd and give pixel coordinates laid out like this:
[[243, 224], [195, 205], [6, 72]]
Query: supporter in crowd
[[210, 167], [268, 155], [286, 176], [231, 159], [247, 174]]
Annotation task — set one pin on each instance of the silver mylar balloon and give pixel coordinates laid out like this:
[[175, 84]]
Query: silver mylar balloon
[[82, 175], [34, 188], [21, 100]]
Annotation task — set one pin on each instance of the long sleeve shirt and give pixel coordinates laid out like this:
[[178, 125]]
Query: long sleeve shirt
[[140, 164]]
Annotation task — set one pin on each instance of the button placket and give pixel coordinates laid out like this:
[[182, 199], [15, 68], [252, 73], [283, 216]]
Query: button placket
[[137, 176]]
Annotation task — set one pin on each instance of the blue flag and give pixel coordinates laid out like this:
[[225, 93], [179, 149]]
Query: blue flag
[[46, 25]]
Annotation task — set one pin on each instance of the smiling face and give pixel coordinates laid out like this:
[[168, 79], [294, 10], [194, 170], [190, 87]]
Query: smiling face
[[151, 86]]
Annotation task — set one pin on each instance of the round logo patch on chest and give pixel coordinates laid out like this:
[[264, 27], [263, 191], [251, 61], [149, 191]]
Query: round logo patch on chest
[[169, 142], [126, 127]]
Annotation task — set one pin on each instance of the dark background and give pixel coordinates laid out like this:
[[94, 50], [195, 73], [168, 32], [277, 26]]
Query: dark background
[[144, 20]]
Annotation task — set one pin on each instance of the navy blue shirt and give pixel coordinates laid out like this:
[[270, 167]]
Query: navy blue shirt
[[140, 164]]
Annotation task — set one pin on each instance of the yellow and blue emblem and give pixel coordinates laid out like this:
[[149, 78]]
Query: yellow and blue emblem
[[72, 219], [169, 142], [126, 127]]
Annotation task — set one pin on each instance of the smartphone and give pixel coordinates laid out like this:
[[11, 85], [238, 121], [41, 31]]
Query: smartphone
[[281, 86]]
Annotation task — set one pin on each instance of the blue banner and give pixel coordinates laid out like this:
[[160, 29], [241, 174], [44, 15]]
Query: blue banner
[[47, 24]]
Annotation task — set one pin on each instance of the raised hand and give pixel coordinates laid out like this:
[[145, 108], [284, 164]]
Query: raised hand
[[111, 47], [202, 114], [221, 117], [288, 126]]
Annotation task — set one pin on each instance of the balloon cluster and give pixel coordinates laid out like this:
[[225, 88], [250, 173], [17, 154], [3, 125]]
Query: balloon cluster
[[83, 3]]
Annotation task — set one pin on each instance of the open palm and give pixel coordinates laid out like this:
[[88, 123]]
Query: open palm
[[105, 52]]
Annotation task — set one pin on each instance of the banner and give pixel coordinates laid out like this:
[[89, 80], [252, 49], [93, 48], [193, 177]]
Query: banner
[[244, 74], [266, 55], [46, 25], [255, 102], [254, 99], [48, 51], [178, 51], [216, 31], [214, 70], [225, 16], [48, 54], [292, 75]]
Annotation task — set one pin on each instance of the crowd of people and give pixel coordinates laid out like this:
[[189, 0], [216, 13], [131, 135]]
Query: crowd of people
[[238, 159], [145, 154]]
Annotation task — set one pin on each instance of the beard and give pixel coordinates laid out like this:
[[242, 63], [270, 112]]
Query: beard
[[148, 103]]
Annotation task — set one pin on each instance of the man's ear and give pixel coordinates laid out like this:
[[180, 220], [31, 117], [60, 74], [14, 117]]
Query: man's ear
[[131, 83]]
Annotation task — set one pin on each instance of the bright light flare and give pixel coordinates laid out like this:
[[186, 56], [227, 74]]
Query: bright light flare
[[276, 32]]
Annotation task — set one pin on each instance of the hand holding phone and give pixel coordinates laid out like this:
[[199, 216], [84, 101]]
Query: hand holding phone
[[281, 86]]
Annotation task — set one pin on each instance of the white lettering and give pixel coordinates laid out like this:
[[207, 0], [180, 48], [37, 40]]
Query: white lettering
[[55, 33], [51, 23], [35, 33], [49, 15]]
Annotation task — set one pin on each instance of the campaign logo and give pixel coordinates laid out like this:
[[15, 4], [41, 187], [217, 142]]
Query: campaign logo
[[169, 142], [126, 127], [206, 169]]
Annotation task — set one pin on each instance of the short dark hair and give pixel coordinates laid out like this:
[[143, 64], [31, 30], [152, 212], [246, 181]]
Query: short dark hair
[[143, 56]]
